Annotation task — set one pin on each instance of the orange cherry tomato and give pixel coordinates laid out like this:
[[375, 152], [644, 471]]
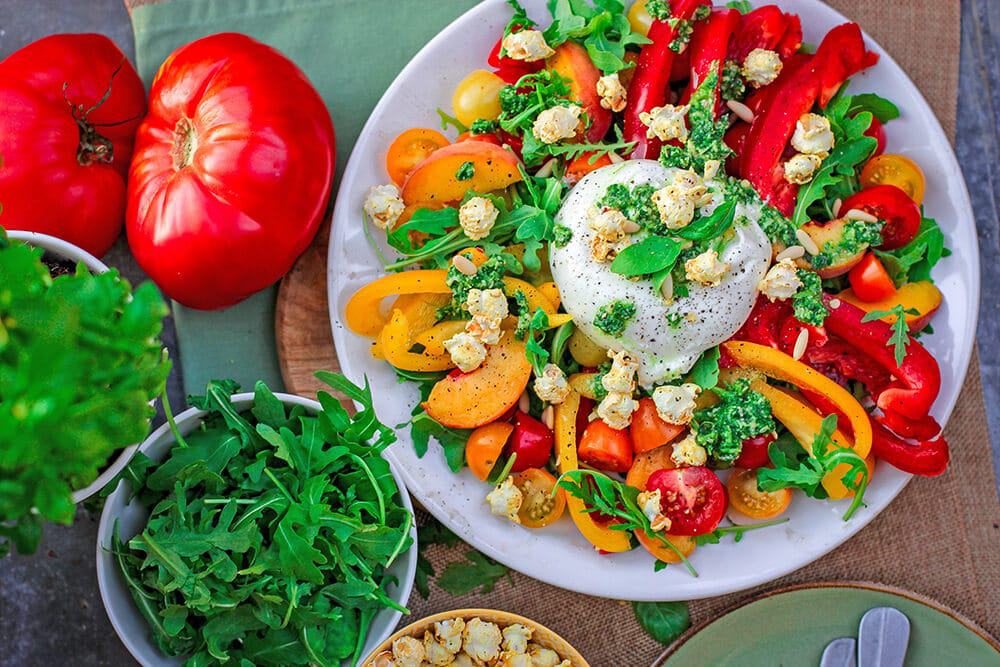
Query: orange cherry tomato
[[477, 96], [411, 148], [639, 18], [648, 431], [605, 448], [898, 170], [647, 463], [870, 281], [582, 165], [661, 551], [745, 498], [485, 446], [540, 506]]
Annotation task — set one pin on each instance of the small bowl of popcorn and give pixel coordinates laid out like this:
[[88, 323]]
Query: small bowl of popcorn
[[473, 638]]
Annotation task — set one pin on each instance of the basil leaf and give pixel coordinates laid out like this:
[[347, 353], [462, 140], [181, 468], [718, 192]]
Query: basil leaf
[[711, 226], [663, 621], [705, 372], [650, 255]]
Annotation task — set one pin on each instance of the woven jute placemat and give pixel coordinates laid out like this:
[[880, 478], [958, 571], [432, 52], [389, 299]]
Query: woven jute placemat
[[939, 538]]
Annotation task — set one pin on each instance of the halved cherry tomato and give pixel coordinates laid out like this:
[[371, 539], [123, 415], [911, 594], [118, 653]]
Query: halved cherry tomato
[[605, 448], [891, 205], [647, 463], [898, 170], [747, 499], [532, 442], [477, 96], [877, 132], [692, 498], [582, 165], [683, 543], [648, 431], [409, 149], [753, 454], [583, 416], [870, 281], [540, 506], [485, 446]]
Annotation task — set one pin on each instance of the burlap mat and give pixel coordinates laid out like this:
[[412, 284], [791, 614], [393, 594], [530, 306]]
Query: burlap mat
[[939, 538]]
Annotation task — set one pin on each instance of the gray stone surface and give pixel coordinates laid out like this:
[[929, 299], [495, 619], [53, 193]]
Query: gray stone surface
[[50, 609]]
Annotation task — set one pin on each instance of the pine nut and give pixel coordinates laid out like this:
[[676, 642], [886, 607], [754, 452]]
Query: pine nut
[[807, 242], [524, 403], [800, 344], [741, 110], [631, 227], [711, 169], [548, 417], [791, 252], [837, 203], [546, 169], [615, 158], [835, 303], [667, 289], [464, 265], [858, 214]]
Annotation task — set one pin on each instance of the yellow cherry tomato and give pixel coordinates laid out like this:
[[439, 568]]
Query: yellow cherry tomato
[[477, 96], [541, 506], [746, 498], [898, 170], [639, 18]]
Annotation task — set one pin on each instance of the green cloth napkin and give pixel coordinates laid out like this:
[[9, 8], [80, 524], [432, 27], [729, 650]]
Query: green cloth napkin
[[351, 50]]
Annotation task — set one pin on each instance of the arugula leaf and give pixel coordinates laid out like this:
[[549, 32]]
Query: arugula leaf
[[475, 572], [604, 30], [900, 338], [650, 255], [705, 372], [915, 260], [877, 106], [451, 121], [715, 537], [537, 355], [573, 151], [80, 360], [431, 533], [663, 621]]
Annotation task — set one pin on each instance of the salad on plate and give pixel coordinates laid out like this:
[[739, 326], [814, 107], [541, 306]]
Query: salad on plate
[[665, 277]]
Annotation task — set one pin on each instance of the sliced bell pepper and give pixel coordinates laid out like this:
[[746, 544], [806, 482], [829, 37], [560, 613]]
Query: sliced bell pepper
[[921, 296], [928, 458], [917, 379], [762, 28], [648, 88], [602, 537], [433, 338], [362, 314], [708, 48], [780, 366], [396, 341], [804, 423], [841, 55]]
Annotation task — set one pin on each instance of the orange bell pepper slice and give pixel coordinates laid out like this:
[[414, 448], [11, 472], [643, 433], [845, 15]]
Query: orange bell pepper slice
[[780, 366], [603, 538], [396, 341]]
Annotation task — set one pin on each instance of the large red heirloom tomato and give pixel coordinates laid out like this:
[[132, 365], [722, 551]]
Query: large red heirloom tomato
[[232, 171], [69, 106]]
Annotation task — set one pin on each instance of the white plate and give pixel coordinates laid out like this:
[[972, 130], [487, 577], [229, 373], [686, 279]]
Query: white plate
[[131, 516], [559, 555]]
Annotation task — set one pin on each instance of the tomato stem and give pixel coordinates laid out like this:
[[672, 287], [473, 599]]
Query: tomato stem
[[185, 143], [93, 147]]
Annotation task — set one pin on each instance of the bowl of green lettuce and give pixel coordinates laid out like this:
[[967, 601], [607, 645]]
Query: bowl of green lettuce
[[259, 528]]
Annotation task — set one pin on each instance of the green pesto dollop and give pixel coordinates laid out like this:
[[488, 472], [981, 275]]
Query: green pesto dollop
[[856, 236], [740, 414], [612, 318], [636, 204], [807, 304], [488, 276]]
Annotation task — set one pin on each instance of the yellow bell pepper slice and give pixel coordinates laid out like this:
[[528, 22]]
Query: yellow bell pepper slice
[[551, 292], [536, 299], [601, 537], [363, 315], [433, 339], [396, 342], [804, 423], [780, 366], [420, 311], [583, 384]]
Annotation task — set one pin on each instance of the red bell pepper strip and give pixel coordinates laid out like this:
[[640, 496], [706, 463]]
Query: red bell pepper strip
[[680, 70], [917, 380], [763, 28], [840, 56], [791, 41], [763, 326], [708, 48], [648, 88], [508, 69], [928, 458], [918, 429]]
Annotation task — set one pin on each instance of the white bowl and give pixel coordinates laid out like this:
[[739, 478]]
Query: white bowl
[[131, 516], [71, 253], [559, 555]]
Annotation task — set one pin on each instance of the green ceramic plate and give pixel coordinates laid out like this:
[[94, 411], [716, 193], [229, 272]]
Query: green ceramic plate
[[791, 627]]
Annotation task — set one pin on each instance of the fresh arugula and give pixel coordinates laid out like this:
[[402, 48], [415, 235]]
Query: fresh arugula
[[705, 372], [475, 572], [603, 29], [80, 360], [881, 108], [915, 260], [271, 532], [575, 150], [537, 355], [663, 621], [609, 497], [795, 471], [900, 338], [431, 533], [715, 537], [450, 121]]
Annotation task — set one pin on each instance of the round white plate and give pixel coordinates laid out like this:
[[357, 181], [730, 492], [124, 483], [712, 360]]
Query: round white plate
[[559, 555]]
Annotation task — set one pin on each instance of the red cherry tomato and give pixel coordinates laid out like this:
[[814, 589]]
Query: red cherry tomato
[[754, 451], [583, 414], [65, 151], [584, 164], [891, 205], [870, 281], [605, 448], [877, 132], [232, 171], [531, 441], [694, 499]]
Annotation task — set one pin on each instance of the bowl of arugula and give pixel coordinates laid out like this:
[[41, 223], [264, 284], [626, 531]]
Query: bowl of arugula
[[259, 528]]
